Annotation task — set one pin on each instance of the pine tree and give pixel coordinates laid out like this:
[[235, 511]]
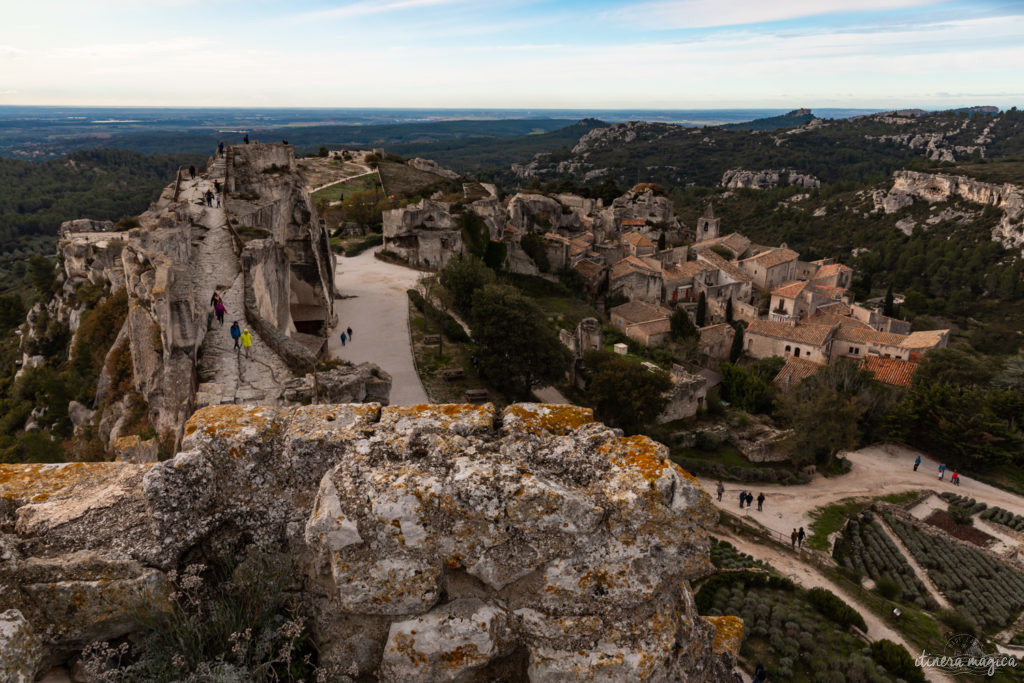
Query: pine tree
[[702, 310], [887, 307]]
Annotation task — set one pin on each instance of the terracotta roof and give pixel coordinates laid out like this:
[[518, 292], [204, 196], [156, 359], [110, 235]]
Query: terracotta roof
[[632, 222], [890, 370], [868, 335], [736, 242], [927, 339], [589, 270], [836, 307], [830, 270], [727, 267], [815, 335], [691, 269], [827, 291], [632, 264], [774, 257], [637, 239], [510, 230], [795, 371], [790, 290], [821, 317], [639, 312], [555, 237], [659, 326]]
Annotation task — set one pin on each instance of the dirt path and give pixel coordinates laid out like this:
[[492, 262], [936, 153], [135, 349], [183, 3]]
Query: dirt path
[[877, 471], [376, 308], [807, 576]]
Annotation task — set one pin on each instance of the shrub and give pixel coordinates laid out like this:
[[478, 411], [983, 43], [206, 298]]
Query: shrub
[[887, 587], [358, 247], [896, 660], [835, 609], [957, 621]]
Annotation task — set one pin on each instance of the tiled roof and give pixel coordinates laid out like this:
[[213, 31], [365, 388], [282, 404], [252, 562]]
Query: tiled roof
[[790, 290], [659, 326], [632, 264], [836, 308], [736, 242], [632, 222], [890, 370], [639, 312], [815, 335], [727, 267], [510, 230], [927, 339], [637, 239], [821, 317], [589, 270], [774, 257], [555, 237], [830, 270], [795, 371], [868, 335]]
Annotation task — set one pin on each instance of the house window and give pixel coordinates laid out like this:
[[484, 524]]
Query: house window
[[796, 352], [788, 348]]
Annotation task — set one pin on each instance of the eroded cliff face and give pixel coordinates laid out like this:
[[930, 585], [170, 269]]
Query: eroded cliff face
[[440, 542], [939, 187], [170, 356]]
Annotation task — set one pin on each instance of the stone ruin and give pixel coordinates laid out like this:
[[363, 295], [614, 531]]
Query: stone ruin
[[433, 542]]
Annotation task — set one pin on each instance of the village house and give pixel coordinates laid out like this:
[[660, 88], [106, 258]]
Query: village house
[[637, 244], [898, 373], [860, 342], [799, 299], [916, 344], [636, 279], [586, 337], [715, 342], [874, 319], [833, 275], [687, 395], [770, 268], [795, 370], [723, 282], [736, 243], [642, 322], [678, 281], [765, 338], [595, 275], [557, 248]]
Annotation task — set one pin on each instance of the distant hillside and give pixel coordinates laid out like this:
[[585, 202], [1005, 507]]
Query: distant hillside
[[793, 119]]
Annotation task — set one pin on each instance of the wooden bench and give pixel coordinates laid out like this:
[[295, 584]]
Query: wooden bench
[[432, 340], [476, 396], [452, 374]]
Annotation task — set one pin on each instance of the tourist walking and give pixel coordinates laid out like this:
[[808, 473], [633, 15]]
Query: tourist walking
[[247, 342], [220, 148], [942, 472], [800, 538], [245, 138], [917, 463], [343, 338], [760, 501], [721, 490], [192, 172], [743, 498], [214, 299], [955, 479], [220, 311], [750, 498], [792, 539], [349, 330], [236, 332]]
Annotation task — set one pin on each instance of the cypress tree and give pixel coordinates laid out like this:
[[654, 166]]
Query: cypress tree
[[702, 310]]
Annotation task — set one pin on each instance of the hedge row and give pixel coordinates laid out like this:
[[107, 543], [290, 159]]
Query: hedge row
[[865, 548], [770, 475], [449, 325]]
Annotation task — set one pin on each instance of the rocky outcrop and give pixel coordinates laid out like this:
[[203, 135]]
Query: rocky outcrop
[[533, 212], [21, 652], [429, 542], [423, 233], [767, 178], [939, 187], [430, 166]]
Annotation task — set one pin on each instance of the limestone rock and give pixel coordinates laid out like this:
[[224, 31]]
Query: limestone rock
[[79, 414], [133, 449], [363, 383], [430, 166], [21, 651], [767, 178]]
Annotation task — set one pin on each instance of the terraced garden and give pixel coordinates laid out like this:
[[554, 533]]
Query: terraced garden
[[998, 515], [988, 591], [866, 549], [724, 555]]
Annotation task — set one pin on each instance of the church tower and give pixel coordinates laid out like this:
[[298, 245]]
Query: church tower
[[707, 225]]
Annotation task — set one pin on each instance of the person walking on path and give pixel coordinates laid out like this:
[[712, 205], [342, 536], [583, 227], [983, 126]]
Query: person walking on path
[[214, 299], [917, 463], [247, 342], [220, 310], [800, 538], [236, 333], [343, 338], [792, 539], [220, 148], [750, 498], [209, 198], [192, 172], [349, 330], [245, 138], [743, 498], [942, 472], [760, 501], [955, 479], [721, 490]]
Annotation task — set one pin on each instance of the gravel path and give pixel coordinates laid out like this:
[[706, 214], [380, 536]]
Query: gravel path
[[377, 309]]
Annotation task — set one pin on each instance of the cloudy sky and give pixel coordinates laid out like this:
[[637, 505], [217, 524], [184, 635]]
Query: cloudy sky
[[513, 53]]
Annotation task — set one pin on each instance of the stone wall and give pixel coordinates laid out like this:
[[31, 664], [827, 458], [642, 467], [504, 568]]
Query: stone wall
[[432, 542]]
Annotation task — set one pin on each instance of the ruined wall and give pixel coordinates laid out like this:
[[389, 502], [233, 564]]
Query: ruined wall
[[432, 542]]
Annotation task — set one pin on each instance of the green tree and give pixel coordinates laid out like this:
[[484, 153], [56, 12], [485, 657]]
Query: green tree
[[40, 273], [364, 207], [681, 325], [475, 234], [517, 350], [323, 151], [463, 276], [888, 309], [728, 311], [495, 255], [736, 350], [745, 389], [533, 244], [824, 421], [625, 393], [702, 310]]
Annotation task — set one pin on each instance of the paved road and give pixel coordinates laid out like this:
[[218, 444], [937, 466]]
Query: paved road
[[378, 314]]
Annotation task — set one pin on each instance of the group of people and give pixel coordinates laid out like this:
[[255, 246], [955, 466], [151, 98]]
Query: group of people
[[746, 497], [241, 336], [955, 479], [796, 538], [209, 195], [346, 335]]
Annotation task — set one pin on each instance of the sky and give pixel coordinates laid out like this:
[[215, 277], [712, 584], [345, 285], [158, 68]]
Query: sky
[[656, 54]]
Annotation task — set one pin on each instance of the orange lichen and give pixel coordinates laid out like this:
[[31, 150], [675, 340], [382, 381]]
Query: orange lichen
[[728, 634], [637, 453], [37, 482], [460, 656], [556, 419], [229, 420]]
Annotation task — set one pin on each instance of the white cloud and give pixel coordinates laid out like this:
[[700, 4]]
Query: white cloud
[[368, 7], [683, 14]]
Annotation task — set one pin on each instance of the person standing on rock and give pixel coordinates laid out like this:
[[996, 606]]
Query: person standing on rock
[[220, 148], [192, 172], [800, 537], [236, 333], [760, 501], [917, 463], [247, 342], [245, 138], [343, 338], [792, 539], [209, 198], [720, 489], [220, 311]]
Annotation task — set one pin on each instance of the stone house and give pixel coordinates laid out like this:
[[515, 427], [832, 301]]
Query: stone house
[[586, 337], [874, 319], [734, 242], [799, 299], [637, 244], [678, 281], [834, 275], [635, 278], [687, 395], [715, 341], [766, 338], [643, 322], [916, 344], [557, 248], [795, 371], [631, 224], [594, 274], [723, 282], [770, 268], [860, 342], [422, 233]]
